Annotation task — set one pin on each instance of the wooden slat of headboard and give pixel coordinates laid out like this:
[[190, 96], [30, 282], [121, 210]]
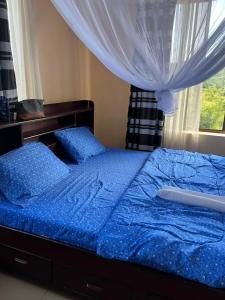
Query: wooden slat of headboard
[[58, 116]]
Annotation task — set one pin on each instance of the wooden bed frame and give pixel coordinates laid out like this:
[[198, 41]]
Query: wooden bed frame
[[72, 268]]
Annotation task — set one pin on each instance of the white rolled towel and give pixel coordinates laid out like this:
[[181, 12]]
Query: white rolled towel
[[192, 198]]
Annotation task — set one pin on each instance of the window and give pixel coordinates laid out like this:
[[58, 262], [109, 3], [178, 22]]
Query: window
[[213, 104]]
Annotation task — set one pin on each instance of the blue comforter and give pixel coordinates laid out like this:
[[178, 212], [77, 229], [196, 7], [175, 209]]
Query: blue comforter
[[109, 205], [172, 237]]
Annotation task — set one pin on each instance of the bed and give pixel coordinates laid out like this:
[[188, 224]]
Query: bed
[[103, 232]]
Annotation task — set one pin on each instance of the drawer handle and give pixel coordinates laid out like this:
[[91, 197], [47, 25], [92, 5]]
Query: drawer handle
[[20, 261], [94, 287]]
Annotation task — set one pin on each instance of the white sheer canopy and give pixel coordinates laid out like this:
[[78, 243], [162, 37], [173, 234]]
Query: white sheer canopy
[[140, 41]]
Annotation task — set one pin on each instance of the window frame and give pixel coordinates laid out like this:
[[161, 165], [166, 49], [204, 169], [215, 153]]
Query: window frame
[[222, 131]]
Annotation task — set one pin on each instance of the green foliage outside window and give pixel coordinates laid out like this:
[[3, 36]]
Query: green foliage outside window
[[213, 102]]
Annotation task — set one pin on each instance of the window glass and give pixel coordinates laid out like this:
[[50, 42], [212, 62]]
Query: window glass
[[213, 103]]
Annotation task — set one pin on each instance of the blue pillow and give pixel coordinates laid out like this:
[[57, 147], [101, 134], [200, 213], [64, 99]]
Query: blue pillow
[[28, 171], [80, 143]]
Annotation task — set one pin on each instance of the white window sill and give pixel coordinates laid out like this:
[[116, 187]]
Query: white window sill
[[222, 134]]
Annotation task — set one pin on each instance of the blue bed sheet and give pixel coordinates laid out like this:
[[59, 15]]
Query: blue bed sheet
[[75, 210], [185, 240]]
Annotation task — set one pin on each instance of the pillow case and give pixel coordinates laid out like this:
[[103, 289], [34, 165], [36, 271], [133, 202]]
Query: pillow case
[[80, 143], [28, 171]]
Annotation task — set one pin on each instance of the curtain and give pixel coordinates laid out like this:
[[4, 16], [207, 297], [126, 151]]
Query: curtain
[[22, 22], [145, 121], [182, 130], [8, 93], [114, 33]]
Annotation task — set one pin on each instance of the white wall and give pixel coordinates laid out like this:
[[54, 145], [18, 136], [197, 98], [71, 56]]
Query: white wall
[[212, 143]]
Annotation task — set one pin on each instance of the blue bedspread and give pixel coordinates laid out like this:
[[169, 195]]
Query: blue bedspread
[[76, 209], [108, 205], [172, 237]]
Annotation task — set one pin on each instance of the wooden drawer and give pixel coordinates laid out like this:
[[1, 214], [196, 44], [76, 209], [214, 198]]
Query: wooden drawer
[[78, 282], [25, 263]]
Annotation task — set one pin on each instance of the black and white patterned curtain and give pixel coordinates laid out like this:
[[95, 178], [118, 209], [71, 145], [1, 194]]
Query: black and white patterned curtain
[[8, 93], [145, 121]]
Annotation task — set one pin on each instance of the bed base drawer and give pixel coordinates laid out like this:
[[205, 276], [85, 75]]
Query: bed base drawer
[[27, 264], [88, 285]]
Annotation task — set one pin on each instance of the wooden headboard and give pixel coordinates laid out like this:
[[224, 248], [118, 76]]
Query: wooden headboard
[[57, 116]]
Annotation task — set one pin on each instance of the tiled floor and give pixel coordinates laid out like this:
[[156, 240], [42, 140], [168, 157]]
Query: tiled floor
[[13, 288]]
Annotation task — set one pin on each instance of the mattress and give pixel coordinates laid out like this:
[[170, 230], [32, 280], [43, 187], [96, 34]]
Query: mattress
[[172, 237], [75, 210]]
